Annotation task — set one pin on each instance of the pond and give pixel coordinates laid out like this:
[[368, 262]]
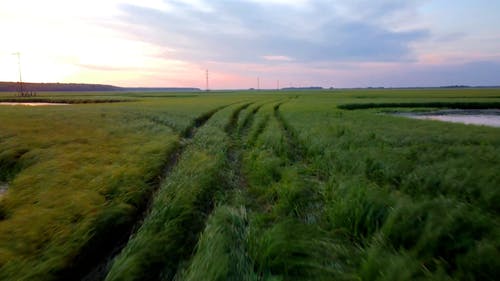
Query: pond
[[32, 103], [485, 117]]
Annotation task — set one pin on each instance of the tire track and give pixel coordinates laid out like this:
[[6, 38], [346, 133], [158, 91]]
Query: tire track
[[219, 220], [310, 204], [168, 236], [296, 148], [189, 132], [96, 258], [231, 178], [226, 228], [249, 119], [231, 126], [234, 153], [261, 126], [161, 122]]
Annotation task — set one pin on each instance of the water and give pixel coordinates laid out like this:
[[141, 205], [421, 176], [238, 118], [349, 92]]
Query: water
[[3, 188], [484, 117], [32, 103]]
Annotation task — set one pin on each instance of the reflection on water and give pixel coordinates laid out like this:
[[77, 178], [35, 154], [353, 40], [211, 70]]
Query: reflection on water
[[486, 117], [3, 188], [32, 103]]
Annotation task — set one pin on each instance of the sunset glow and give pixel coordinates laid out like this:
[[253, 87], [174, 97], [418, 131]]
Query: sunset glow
[[301, 43]]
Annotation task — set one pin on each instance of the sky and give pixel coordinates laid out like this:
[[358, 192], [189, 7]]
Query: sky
[[328, 43]]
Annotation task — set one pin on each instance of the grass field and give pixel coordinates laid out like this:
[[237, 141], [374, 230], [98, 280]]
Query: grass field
[[319, 185]]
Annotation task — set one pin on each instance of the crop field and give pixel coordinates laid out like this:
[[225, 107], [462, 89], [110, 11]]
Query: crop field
[[250, 185]]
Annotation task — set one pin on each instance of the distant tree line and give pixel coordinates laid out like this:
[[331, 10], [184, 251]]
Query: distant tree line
[[54, 87], [78, 87], [302, 88]]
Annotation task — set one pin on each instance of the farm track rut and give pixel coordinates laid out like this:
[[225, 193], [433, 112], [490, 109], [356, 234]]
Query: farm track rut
[[233, 178], [161, 122], [249, 119], [235, 146], [90, 266], [239, 139], [235, 181], [297, 150], [233, 121], [261, 126]]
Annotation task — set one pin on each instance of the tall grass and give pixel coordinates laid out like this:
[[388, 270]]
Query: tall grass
[[274, 187], [78, 177], [419, 195], [454, 105], [284, 240], [221, 252], [169, 233]]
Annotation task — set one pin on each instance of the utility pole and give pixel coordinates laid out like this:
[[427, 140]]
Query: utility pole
[[278, 85], [206, 80], [21, 90], [258, 83]]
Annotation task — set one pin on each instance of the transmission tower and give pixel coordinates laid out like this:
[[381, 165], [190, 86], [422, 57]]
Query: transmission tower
[[21, 90], [206, 81]]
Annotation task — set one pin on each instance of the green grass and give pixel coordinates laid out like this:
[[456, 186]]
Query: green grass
[[421, 193], [75, 173], [179, 210], [454, 105], [267, 186]]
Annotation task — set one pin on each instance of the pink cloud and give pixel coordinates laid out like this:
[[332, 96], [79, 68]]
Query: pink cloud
[[277, 58]]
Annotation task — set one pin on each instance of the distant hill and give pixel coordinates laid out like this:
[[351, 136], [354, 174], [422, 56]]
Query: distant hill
[[79, 87]]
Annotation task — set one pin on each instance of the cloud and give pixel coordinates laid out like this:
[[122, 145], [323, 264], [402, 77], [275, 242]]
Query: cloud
[[248, 31], [277, 58], [105, 67], [477, 73]]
